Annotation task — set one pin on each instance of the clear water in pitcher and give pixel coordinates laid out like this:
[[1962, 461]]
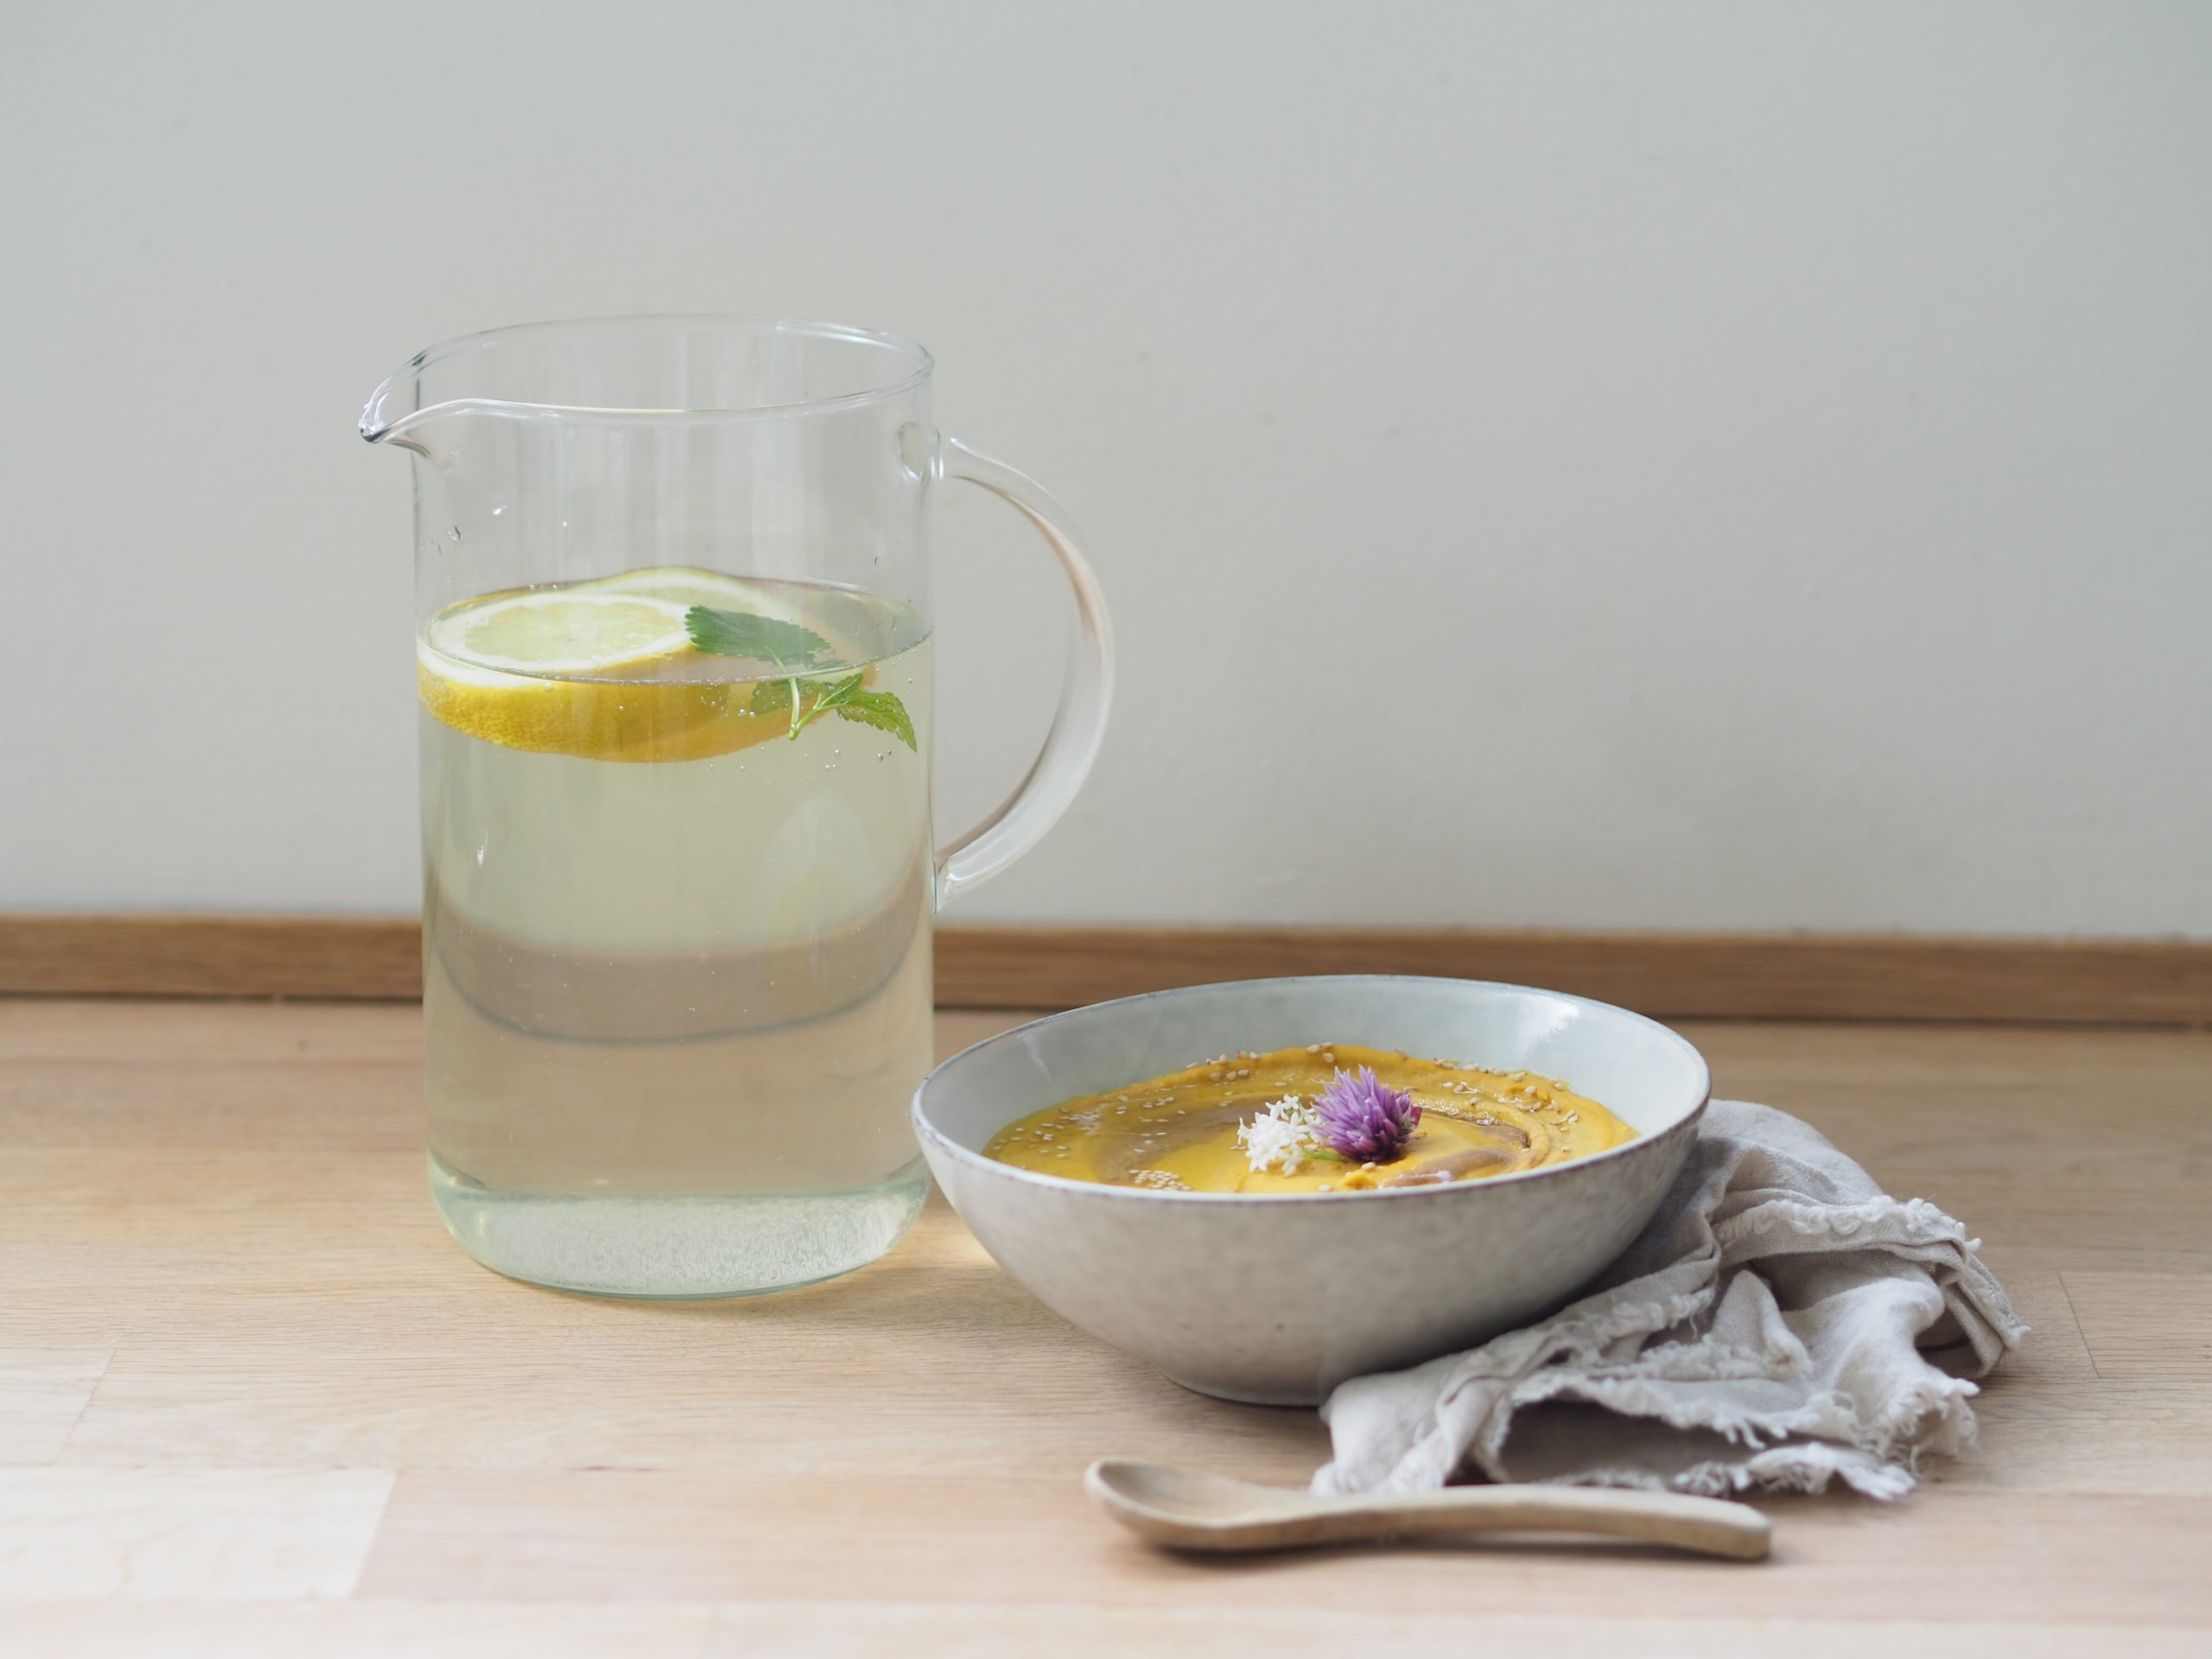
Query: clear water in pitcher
[[677, 929]]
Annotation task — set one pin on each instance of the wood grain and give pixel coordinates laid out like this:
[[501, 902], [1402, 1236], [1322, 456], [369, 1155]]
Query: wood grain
[[1669, 976], [44, 1390], [233, 1325], [185, 1535], [992, 1629], [94, 954], [675, 1534]]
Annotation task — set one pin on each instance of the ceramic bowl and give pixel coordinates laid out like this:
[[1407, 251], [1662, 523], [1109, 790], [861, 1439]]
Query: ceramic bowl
[[1276, 1299]]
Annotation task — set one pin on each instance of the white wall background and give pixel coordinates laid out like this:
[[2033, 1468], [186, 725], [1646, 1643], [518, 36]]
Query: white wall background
[[1687, 465]]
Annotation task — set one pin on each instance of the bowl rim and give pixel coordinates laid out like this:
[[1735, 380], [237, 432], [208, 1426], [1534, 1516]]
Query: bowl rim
[[931, 1135]]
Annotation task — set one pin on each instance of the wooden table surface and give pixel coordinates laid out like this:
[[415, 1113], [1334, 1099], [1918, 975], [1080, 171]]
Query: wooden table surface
[[252, 1400]]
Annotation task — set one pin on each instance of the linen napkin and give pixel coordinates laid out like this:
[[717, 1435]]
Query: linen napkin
[[1781, 1322]]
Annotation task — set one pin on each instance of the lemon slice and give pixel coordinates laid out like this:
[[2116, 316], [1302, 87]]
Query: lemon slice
[[595, 670], [562, 631], [688, 585]]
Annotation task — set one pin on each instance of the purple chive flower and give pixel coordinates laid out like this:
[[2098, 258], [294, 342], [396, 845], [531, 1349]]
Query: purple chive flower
[[1365, 1121]]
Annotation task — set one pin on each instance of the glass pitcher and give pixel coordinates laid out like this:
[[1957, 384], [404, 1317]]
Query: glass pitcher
[[672, 599]]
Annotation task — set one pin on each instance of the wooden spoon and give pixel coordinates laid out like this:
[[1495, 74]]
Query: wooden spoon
[[1184, 1509]]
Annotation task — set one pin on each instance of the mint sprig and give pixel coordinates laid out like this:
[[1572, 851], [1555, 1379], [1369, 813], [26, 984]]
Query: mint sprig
[[828, 697], [788, 645]]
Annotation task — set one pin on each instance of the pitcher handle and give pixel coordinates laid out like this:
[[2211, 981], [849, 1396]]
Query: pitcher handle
[[1086, 690]]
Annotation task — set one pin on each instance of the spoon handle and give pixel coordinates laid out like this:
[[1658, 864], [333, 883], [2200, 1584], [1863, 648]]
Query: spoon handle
[[1707, 1526]]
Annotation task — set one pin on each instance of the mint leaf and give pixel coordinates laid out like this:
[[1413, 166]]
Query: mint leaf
[[772, 697], [764, 639], [882, 710]]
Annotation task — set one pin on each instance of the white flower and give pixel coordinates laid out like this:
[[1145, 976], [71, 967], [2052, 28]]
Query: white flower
[[1278, 1138]]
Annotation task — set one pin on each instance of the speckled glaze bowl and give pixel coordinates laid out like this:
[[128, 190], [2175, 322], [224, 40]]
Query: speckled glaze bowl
[[1277, 1300]]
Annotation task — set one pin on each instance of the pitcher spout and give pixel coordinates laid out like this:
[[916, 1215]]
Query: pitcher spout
[[394, 407]]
